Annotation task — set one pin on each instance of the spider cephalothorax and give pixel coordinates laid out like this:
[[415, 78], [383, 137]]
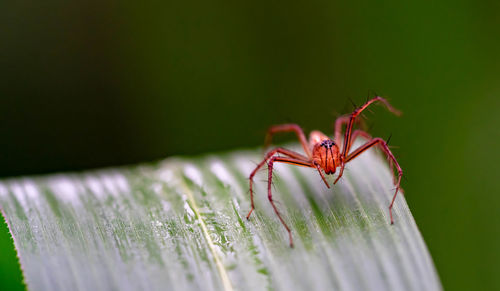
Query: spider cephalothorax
[[323, 154]]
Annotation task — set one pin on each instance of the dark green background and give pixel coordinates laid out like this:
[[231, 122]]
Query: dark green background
[[87, 84]]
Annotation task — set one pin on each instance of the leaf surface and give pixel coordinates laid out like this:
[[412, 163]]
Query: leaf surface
[[180, 225]]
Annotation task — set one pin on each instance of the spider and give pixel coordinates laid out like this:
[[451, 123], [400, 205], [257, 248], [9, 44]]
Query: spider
[[324, 154]]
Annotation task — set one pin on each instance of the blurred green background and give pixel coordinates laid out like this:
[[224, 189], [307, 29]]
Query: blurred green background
[[87, 84]]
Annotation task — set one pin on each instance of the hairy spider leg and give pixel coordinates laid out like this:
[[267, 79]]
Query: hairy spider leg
[[289, 128], [321, 174], [292, 161], [283, 151], [355, 134], [360, 133], [339, 122], [348, 132], [356, 113], [387, 151]]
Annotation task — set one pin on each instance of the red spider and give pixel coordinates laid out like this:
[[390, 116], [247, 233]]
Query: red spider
[[323, 153]]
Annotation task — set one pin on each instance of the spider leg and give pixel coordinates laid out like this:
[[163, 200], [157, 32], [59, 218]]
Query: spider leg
[[339, 122], [360, 133], [321, 174], [292, 161], [357, 133], [289, 128], [348, 133], [341, 172], [387, 151], [283, 151]]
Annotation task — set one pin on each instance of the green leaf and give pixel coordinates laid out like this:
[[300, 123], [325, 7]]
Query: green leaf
[[180, 225]]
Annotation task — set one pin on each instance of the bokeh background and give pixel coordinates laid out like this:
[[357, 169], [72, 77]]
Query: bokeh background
[[87, 84]]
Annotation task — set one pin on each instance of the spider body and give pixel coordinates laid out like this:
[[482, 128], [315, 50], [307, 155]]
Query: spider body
[[325, 154]]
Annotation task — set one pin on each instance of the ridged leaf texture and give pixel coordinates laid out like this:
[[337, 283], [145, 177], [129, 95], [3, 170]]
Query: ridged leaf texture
[[180, 224]]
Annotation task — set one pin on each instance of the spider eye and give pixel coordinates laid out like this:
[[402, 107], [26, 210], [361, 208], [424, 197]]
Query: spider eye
[[328, 143]]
